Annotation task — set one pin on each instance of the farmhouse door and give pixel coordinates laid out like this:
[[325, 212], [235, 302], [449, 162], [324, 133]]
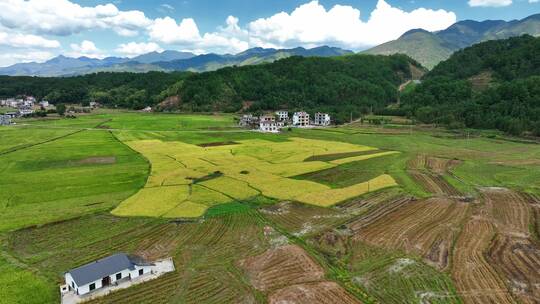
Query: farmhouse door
[[106, 281]]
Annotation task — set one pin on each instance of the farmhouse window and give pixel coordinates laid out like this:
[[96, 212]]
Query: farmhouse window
[[140, 271], [118, 276], [92, 286]]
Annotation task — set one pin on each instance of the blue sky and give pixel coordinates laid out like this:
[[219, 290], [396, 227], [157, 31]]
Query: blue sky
[[100, 28]]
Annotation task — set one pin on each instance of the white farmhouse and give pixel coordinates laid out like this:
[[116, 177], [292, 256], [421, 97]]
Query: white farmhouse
[[104, 272], [44, 104], [301, 119], [322, 119], [282, 115], [269, 124]]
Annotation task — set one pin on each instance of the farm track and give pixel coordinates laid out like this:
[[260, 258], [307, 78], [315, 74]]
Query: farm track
[[426, 228]]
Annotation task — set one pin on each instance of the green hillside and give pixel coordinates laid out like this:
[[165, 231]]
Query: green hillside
[[509, 101], [423, 46], [341, 86], [432, 48]]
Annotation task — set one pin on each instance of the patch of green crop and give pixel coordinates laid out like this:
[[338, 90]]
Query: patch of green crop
[[396, 278], [48, 182]]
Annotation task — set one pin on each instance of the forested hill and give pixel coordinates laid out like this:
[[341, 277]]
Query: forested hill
[[342, 86], [493, 85], [339, 85], [125, 90]]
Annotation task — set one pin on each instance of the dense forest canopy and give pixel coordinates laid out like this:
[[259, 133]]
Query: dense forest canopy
[[340, 86], [126, 90], [492, 85]]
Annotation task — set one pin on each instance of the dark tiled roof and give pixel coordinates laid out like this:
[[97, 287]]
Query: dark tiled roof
[[101, 268]]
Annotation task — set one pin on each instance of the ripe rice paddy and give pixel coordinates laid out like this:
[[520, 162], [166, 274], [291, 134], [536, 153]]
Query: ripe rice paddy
[[187, 179]]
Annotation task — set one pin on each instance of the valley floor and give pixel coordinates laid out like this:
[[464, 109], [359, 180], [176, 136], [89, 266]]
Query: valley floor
[[461, 224]]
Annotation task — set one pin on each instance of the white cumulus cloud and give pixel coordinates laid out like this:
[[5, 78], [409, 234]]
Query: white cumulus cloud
[[63, 17], [133, 49], [27, 41], [312, 24], [230, 38], [491, 3], [86, 48]]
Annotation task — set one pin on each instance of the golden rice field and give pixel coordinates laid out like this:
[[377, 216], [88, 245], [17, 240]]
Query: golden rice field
[[186, 179]]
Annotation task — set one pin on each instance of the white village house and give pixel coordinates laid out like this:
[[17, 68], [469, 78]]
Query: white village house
[[269, 124], [104, 272], [282, 115], [322, 119], [301, 119]]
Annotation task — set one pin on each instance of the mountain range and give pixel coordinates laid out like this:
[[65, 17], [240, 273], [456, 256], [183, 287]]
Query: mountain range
[[162, 61], [430, 48]]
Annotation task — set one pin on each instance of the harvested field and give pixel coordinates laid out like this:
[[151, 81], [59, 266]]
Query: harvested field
[[514, 251], [429, 171], [393, 278], [519, 260], [286, 265], [476, 279], [377, 207], [301, 219], [434, 183], [426, 228], [323, 293], [510, 211]]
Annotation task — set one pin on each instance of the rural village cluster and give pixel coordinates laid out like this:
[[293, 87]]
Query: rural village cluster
[[274, 122], [267, 123]]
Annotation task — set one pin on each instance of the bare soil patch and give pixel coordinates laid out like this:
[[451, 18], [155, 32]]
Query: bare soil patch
[[283, 266], [322, 292]]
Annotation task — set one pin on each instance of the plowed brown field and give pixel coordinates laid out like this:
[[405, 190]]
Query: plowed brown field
[[429, 171], [426, 228], [514, 251], [323, 293], [495, 259], [286, 265]]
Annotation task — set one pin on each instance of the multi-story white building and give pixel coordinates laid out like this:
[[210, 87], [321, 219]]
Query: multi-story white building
[[268, 123], [248, 120], [282, 115], [301, 119], [322, 119]]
